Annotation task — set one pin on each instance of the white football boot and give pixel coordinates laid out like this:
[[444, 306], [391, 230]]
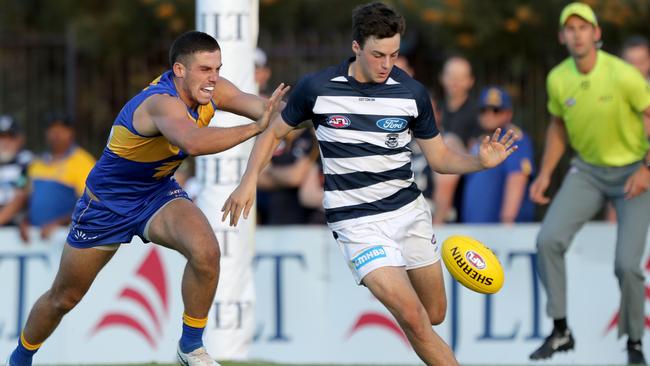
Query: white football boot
[[198, 357]]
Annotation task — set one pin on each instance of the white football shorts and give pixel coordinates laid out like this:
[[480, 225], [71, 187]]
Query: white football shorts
[[405, 240]]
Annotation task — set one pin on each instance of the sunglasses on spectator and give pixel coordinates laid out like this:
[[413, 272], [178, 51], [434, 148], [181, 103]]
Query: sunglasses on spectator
[[491, 109]]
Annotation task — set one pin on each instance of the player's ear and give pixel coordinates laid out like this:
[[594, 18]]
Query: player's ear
[[356, 48], [179, 70]]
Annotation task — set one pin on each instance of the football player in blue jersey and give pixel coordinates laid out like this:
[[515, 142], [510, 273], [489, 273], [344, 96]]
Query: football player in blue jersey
[[365, 112], [131, 191]]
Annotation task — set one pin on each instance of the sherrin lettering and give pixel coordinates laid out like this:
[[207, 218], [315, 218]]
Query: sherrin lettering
[[472, 264]]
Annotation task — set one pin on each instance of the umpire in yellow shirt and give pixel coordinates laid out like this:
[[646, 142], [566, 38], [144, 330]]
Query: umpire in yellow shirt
[[596, 101]]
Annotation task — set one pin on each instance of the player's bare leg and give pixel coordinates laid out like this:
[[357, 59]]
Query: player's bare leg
[[429, 284], [77, 271], [391, 286], [180, 225]]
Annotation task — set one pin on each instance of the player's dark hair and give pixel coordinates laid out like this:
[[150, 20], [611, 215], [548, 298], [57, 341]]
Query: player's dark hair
[[375, 19], [189, 43]]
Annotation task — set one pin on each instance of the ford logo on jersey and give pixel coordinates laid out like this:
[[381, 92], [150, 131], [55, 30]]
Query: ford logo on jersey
[[338, 121], [392, 124]]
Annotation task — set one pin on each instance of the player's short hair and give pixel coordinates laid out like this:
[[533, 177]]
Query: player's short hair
[[189, 43], [375, 19]]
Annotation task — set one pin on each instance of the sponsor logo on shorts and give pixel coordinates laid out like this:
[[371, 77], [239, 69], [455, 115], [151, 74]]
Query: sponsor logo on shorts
[[82, 236], [434, 242], [368, 256], [392, 124], [475, 259], [338, 121]]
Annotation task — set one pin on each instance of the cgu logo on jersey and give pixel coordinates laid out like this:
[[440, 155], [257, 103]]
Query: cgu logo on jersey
[[475, 259], [338, 121], [392, 124]]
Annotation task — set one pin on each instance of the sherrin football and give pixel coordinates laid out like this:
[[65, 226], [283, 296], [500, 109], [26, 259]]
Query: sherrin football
[[472, 264]]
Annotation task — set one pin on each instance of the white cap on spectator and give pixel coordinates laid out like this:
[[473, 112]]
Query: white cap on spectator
[[8, 125], [260, 58]]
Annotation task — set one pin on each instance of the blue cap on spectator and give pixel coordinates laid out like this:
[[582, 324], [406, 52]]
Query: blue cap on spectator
[[55, 119], [496, 97], [8, 125]]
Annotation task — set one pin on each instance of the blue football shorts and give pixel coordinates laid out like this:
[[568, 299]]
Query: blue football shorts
[[94, 224]]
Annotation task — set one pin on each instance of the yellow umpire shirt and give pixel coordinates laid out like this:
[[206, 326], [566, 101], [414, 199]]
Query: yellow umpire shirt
[[602, 110]]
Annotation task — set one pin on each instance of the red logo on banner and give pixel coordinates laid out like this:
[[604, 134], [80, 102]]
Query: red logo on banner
[[151, 271], [614, 322], [372, 319]]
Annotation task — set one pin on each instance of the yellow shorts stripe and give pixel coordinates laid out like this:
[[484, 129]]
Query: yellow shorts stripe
[[194, 322], [27, 345]]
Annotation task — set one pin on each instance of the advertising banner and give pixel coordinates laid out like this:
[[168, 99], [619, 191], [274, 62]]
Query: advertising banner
[[309, 309]]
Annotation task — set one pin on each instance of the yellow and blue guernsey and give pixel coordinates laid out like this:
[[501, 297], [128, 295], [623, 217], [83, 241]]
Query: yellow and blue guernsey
[[133, 178], [57, 184]]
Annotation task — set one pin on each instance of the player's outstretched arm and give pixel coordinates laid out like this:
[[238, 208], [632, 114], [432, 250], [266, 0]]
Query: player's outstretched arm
[[556, 140], [242, 198], [493, 150], [168, 115], [228, 97]]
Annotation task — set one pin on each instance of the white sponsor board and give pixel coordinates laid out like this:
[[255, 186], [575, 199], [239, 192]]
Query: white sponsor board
[[309, 308]]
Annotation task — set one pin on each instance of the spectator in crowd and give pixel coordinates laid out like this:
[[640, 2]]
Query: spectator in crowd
[[596, 101], [55, 180], [290, 164], [403, 63], [421, 170], [311, 193], [636, 51], [14, 159], [499, 194], [262, 75], [460, 130], [459, 112], [262, 72]]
